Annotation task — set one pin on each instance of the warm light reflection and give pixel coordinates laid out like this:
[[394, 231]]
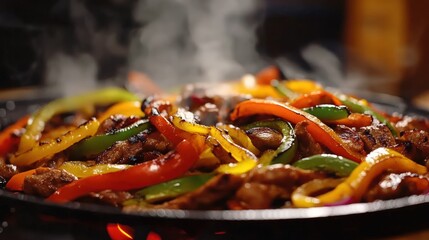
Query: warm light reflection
[[118, 231]]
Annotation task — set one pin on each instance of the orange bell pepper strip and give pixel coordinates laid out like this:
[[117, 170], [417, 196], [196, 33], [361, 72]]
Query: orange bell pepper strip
[[325, 135], [8, 142], [16, 183], [315, 98], [354, 120], [266, 75]]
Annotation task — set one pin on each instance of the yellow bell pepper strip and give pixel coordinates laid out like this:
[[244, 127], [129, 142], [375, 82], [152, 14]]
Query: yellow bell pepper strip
[[315, 98], [324, 134], [354, 187], [287, 149], [164, 168], [38, 152], [328, 112], [37, 122], [245, 158], [283, 90], [301, 197], [9, 142], [81, 169], [97, 144], [16, 182], [128, 109], [342, 167], [361, 106], [302, 86], [173, 188], [239, 136]]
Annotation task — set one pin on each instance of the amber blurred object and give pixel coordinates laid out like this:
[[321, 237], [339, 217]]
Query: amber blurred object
[[387, 45]]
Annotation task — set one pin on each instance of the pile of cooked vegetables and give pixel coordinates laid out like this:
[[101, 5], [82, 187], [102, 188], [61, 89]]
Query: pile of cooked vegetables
[[257, 143]]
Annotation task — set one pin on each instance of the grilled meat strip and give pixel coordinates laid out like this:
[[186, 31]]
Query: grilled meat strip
[[46, 181]]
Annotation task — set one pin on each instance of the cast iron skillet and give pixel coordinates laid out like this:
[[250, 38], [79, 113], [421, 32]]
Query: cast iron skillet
[[381, 218]]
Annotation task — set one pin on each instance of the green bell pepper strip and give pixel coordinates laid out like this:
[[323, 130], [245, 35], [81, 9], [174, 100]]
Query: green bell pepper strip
[[341, 166], [36, 123], [96, 144], [173, 188], [358, 106], [328, 112], [283, 90], [287, 149]]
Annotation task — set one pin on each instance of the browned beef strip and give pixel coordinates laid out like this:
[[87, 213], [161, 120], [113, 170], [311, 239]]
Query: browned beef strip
[[114, 198], [412, 123], [7, 170], [266, 186], [419, 138], [211, 195], [115, 122], [351, 138], [46, 181], [265, 138], [376, 136], [307, 146], [395, 185], [135, 149]]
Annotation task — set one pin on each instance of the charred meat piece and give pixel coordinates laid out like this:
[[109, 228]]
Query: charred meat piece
[[7, 170], [396, 185], [142, 147], [419, 138], [114, 198], [268, 186], [376, 136], [46, 181], [412, 123], [211, 195], [265, 138], [307, 145], [115, 122], [351, 138]]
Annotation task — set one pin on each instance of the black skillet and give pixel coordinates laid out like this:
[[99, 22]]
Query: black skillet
[[362, 220]]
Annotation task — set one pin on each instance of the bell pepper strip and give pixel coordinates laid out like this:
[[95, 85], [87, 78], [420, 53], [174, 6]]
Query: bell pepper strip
[[266, 75], [37, 122], [189, 126], [164, 168], [240, 137], [16, 182], [38, 152], [81, 170], [301, 196], [98, 143], [376, 162], [287, 149], [173, 188], [283, 90], [315, 98], [128, 109], [361, 106], [342, 167], [328, 112], [302, 86], [8, 142], [324, 134], [353, 120]]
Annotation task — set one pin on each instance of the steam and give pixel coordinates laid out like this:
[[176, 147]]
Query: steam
[[184, 41]]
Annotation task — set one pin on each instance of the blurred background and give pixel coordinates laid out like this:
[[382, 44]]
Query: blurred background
[[60, 47]]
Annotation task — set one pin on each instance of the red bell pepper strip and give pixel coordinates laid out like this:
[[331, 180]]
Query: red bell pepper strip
[[8, 142], [167, 167], [325, 135]]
